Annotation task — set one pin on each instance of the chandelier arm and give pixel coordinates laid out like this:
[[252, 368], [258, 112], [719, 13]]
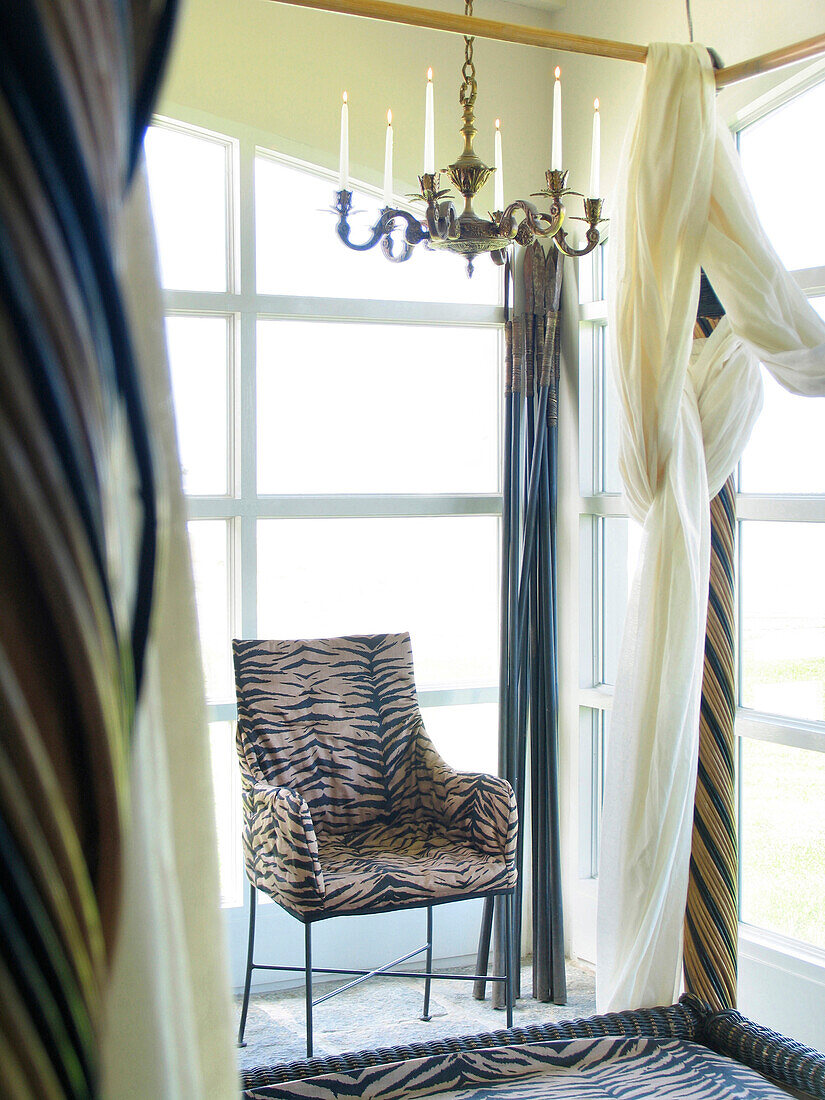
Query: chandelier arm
[[441, 220], [343, 205], [539, 224], [393, 253], [381, 231], [560, 241], [414, 234], [553, 222], [378, 231]]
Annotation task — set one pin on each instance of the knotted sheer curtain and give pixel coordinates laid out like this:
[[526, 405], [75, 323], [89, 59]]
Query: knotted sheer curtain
[[682, 203]]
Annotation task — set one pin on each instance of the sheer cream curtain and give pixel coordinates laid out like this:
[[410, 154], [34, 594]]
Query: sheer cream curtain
[[168, 1023], [683, 203]]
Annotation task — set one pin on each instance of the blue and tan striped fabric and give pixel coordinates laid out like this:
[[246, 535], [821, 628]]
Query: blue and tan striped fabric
[[79, 506], [347, 804], [577, 1069]]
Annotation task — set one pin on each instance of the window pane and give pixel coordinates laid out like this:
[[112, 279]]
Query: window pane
[[611, 479], [784, 140], [209, 541], [783, 840], [466, 735], [226, 787], [593, 273], [783, 618], [319, 264], [436, 577], [784, 453], [187, 183], [198, 359], [621, 541], [594, 728], [369, 408]]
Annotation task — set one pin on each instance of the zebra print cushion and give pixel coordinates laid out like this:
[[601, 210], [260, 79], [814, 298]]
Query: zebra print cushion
[[573, 1069], [347, 804]]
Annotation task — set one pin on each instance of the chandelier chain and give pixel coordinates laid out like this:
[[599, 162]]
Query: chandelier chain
[[467, 92]]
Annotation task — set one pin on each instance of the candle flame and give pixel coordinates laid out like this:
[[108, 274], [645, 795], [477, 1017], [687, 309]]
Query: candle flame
[[595, 104], [558, 73], [498, 123], [345, 97], [430, 75], [389, 118]]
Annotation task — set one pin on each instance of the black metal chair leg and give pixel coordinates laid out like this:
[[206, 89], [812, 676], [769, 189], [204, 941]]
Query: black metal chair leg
[[308, 983], [429, 965], [509, 985], [250, 948]]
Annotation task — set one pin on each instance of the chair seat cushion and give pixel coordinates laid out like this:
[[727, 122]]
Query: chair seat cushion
[[387, 866]]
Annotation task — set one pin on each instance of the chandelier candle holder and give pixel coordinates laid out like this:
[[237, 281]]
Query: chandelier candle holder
[[466, 234]]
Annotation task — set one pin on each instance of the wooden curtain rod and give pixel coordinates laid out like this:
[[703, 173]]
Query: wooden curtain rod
[[551, 40]]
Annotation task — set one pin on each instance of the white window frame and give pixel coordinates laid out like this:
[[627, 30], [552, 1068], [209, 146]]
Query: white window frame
[[242, 507], [775, 968]]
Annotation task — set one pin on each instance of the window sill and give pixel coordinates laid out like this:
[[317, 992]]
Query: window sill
[[782, 952]]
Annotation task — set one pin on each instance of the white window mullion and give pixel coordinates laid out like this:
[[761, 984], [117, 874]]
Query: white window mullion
[[248, 424], [795, 733]]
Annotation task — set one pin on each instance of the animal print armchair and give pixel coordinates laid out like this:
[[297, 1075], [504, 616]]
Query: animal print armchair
[[347, 805]]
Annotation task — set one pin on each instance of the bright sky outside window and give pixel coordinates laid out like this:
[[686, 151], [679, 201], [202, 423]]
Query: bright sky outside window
[[188, 178], [784, 163], [198, 360], [386, 409], [783, 619], [435, 576], [786, 452]]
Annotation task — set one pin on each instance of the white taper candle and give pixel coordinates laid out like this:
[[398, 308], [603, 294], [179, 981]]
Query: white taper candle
[[595, 153], [388, 162], [555, 156], [429, 126], [499, 176], [343, 162]]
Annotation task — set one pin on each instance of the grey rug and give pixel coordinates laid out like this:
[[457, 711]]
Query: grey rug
[[386, 1012]]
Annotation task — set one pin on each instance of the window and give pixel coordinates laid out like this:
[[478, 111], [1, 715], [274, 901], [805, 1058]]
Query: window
[[609, 545], [338, 423], [781, 543]]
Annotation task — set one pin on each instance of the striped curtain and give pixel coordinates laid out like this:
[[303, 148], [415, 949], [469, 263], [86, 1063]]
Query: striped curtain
[[91, 543], [712, 911], [528, 680]]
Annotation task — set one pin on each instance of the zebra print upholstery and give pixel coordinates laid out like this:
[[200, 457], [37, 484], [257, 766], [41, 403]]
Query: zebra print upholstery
[[572, 1069], [347, 805]]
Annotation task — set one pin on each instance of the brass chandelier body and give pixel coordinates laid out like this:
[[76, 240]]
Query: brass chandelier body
[[466, 234]]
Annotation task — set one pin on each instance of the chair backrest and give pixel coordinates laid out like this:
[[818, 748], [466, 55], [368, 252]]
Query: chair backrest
[[332, 718]]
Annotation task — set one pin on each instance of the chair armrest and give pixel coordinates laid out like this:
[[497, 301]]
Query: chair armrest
[[280, 844], [481, 806]]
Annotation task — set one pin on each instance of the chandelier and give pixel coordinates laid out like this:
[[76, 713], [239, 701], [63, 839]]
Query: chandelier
[[466, 234]]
